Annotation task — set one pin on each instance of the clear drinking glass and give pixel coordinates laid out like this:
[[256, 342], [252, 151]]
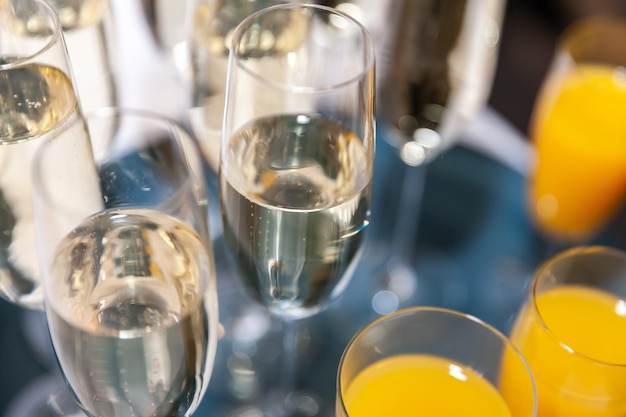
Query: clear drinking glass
[[212, 24], [572, 331], [295, 177], [578, 178], [434, 74], [37, 100], [127, 264], [435, 362], [92, 46], [169, 25], [297, 153]]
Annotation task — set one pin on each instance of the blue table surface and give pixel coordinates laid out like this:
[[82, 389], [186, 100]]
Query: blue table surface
[[475, 252]]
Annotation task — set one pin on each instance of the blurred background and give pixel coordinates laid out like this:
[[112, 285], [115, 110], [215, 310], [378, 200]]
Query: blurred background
[[529, 34]]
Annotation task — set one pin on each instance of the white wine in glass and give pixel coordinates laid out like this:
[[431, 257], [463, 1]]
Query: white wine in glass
[[212, 24], [127, 265], [297, 153], [436, 61], [37, 99]]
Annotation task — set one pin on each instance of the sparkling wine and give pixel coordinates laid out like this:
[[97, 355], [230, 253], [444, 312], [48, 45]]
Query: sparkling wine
[[435, 68], [295, 195], [129, 314], [213, 23], [89, 36], [34, 99]]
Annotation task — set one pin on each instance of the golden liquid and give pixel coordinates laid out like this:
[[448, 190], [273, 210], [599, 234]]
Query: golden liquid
[[33, 99], [295, 217], [215, 22], [131, 308]]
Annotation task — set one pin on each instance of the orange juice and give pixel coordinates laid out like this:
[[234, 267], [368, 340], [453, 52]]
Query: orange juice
[[424, 385], [579, 364], [579, 133]]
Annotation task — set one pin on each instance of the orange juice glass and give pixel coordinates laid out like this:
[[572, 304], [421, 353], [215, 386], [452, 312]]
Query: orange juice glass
[[572, 331], [578, 129], [432, 362]]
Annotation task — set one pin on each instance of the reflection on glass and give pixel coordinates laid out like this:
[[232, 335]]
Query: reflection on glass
[[212, 25], [91, 45], [127, 265]]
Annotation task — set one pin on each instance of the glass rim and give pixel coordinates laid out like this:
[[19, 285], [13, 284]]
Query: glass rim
[[533, 293], [586, 28], [114, 111], [182, 141], [245, 23], [168, 123], [443, 311], [57, 34]]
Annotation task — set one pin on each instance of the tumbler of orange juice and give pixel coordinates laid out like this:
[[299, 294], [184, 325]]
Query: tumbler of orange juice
[[427, 361], [578, 129], [572, 331]]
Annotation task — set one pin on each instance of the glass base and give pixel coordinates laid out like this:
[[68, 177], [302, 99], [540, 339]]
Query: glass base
[[46, 396], [264, 366]]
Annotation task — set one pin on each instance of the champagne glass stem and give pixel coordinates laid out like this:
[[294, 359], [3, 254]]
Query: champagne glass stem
[[404, 237], [398, 274], [289, 376], [287, 386]]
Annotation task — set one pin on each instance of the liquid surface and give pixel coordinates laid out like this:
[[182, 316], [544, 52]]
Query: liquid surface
[[579, 181], [590, 322], [213, 24], [295, 195], [90, 43], [130, 314], [33, 100], [416, 385]]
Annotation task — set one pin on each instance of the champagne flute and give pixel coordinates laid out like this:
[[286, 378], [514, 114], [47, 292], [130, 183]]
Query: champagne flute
[[578, 178], [436, 61], [572, 332], [212, 24], [194, 36], [296, 155], [91, 44], [38, 99], [296, 162], [127, 264], [435, 362]]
